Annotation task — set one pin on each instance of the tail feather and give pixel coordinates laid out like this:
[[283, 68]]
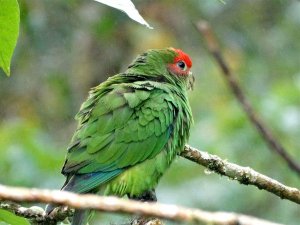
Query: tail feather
[[81, 217], [84, 183], [49, 208]]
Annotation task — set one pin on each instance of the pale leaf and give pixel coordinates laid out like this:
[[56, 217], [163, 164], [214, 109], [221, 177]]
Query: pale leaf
[[128, 7]]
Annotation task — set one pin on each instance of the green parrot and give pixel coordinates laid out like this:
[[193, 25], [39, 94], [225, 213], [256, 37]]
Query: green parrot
[[130, 129]]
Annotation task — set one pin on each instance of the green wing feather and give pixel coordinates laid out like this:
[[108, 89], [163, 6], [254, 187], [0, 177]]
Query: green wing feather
[[119, 126]]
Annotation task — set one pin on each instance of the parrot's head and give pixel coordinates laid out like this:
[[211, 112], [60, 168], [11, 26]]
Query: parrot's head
[[180, 64], [165, 65]]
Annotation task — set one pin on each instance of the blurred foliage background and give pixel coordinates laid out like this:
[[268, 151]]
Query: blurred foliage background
[[67, 47]]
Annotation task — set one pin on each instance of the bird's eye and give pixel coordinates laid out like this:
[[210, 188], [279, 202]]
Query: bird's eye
[[181, 65]]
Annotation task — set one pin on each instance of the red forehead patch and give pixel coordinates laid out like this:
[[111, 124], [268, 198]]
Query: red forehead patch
[[182, 56]]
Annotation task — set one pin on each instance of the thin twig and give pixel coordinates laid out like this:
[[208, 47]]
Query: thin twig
[[264, 131], [113, 204], [244, 175]]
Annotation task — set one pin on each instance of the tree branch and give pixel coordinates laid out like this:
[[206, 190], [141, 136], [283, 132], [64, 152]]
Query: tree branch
[[36, 214], [244, 175], [29, 213], [264, 131], [113, 204]]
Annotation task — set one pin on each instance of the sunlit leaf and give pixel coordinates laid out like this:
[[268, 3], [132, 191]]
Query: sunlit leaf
[[12, 219], [128, 7], [9, 31]]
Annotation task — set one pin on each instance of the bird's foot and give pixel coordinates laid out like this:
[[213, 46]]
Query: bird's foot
[[147, 196]]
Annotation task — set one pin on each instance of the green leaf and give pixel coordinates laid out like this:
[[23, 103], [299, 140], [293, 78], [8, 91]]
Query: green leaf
[[9, 217], [9, 31]]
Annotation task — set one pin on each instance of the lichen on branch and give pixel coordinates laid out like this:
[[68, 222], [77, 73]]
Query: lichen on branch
[[245, 175]]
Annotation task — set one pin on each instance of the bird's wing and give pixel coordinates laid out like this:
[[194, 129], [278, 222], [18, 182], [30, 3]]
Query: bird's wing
[[120, 128]]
